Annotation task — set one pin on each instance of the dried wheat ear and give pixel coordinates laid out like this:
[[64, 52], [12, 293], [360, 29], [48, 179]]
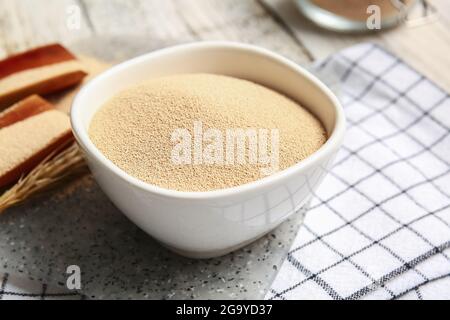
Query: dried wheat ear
[[53, 169]]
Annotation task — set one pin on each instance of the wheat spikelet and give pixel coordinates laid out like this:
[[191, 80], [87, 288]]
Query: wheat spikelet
[[50, 171]]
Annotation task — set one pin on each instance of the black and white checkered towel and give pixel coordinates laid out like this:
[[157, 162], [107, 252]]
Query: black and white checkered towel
[[379, 225]]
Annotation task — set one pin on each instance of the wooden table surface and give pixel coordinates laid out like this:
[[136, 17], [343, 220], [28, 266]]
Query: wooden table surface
[[274, 24]]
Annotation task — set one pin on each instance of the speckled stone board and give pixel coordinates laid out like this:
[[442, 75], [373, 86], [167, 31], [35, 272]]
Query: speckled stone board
[[77, 224]]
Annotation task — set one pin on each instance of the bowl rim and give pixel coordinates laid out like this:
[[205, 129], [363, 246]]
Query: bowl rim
[[333, 142]]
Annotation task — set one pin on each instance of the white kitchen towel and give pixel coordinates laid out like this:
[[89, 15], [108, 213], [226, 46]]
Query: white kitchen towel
[[379, 224]]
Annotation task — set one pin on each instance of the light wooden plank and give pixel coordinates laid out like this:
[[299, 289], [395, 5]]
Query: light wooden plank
[[319, 42], [118, 29], [173, 21], [426, 47], [126, 27]]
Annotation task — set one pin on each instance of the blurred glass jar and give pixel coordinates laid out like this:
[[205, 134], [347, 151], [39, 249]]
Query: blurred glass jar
[[356, 15]]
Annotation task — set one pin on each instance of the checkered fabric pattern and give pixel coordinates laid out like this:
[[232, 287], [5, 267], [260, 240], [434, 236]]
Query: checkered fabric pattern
[[19, 288], [379, 225]]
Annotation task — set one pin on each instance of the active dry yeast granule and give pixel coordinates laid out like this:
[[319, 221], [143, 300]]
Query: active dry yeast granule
[[144, 129]]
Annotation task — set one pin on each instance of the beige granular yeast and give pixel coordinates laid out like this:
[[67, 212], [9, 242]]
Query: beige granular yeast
[[134, 128]]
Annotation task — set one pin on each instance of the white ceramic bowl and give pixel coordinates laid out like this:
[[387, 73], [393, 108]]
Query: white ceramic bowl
[[208, 224]]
